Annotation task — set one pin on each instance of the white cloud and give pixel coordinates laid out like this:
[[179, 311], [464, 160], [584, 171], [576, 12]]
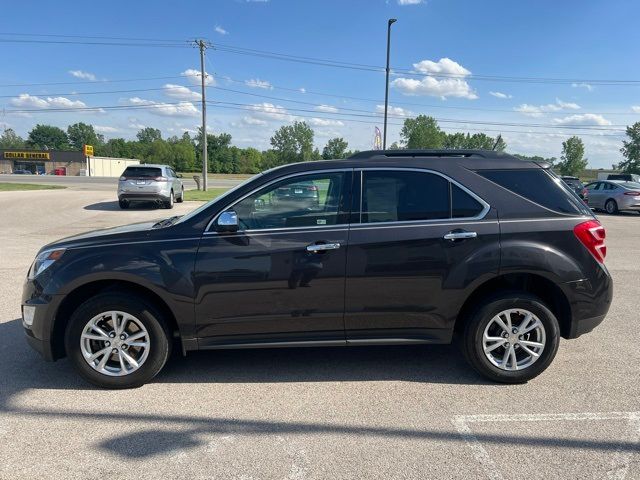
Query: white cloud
[[397, 111], [302, 90], [326, 108], [584, 119], [257, 83], [181, 92], [449, 87], [444, 66], [409, 2], [324, 122], [431, 86], [220, 30], [636, 108], [253, 121], [270, 111], [24, 100], [584, 85], [500, 95], [194, 77], [105, 129], [540, 110], [181, 109], [83, 75]]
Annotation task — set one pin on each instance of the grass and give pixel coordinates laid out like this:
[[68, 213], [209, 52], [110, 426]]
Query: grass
[[11, 187], [199, 195]]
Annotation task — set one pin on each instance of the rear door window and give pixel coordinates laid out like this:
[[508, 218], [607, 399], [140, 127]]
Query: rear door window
[[538, 186], [398, 196]]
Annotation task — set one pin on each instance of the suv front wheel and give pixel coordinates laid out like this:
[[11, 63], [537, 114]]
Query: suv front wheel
[[511, 338], [116, 340]]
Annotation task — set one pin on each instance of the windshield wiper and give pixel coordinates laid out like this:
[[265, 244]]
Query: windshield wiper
[[166, 222]]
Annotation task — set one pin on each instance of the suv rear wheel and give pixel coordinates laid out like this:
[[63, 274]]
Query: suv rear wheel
[[511, 338], [611, 207], [169, 203], [117, 341]]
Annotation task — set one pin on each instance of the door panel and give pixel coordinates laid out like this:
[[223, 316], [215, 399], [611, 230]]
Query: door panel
[[409, 282], [268, 287]]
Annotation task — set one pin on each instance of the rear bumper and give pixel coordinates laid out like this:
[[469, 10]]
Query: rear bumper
[[585, 325], [589, 302], [143, 197]]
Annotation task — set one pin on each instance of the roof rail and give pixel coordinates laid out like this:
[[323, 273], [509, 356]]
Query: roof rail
[[426, 153]]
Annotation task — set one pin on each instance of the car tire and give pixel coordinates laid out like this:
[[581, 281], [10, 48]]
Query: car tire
[[169, 203], [180, 199], [611, 207], [482, 321], [124, 204], [143, 320]]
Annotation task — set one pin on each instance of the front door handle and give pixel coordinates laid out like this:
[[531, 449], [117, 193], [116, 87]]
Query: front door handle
[[460, 235], [321, 247]]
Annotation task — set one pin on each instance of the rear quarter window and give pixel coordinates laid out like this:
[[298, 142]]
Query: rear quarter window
[[538, 186]]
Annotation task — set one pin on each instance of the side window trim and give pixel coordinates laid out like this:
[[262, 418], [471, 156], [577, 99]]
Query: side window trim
[[485, 206], [210, 231]]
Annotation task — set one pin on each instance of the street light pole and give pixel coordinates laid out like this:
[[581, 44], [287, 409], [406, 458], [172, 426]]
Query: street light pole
[[386, 85], [205, 172]]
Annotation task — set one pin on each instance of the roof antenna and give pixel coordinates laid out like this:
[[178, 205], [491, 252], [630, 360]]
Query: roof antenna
[[498, 138]]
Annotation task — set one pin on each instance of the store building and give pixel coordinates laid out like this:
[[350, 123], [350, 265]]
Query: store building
[[59, 162]]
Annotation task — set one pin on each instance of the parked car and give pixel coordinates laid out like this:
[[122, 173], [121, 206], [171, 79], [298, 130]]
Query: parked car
[[150, 183], [22, 172], [404, 247], [577, 186], [613, 196]]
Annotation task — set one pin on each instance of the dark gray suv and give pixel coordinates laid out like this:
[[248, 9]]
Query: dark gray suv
[[397, 247]]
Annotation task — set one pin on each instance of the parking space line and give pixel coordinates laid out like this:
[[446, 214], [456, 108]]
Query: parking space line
[[619, 463]]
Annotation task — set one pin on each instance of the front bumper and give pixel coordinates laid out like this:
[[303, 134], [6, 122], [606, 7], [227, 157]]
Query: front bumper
[[40, 333]]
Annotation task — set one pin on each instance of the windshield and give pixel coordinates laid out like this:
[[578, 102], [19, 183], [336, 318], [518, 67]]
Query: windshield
[[204, 206], [146, 172]]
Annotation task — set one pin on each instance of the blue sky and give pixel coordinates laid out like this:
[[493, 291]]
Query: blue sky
[[463, 62]]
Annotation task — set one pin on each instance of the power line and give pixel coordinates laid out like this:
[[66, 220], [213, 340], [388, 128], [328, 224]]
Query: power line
[[94, 82], [226, 48]]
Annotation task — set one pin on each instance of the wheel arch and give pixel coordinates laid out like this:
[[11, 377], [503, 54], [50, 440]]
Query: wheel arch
[[81, 293], [545, 289]]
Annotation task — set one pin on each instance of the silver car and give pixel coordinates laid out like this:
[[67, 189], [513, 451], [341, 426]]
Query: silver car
[[145, 183], [613, 196]]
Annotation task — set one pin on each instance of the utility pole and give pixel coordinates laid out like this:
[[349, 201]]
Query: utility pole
[[386, 85], [203, 45]]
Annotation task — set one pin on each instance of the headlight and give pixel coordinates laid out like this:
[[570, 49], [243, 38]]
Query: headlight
[[44, 260]]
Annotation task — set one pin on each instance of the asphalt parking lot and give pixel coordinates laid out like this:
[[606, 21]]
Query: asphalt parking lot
[[365, 412]]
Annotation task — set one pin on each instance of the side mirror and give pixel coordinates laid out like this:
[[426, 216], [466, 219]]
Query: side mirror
[[227, 222]]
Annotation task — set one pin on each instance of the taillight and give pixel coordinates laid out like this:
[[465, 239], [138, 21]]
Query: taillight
[[592, 235], [632, 194], [161, 179]]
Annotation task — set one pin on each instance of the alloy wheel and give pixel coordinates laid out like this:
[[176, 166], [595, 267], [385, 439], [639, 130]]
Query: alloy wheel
[[514, 339], [115, 343]]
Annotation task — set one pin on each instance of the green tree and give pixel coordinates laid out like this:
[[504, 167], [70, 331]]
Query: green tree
[[48, 137], [81, 134], [149, 135], [335, 148], [250, 161], [184, 156], [572, 158], [422, 132], [631, 150], [293, 143], [476, 141], [395, 146], [500, 144], [9, 139], [160, 152]]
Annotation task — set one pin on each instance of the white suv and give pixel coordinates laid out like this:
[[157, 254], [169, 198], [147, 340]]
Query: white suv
[[155, 183]]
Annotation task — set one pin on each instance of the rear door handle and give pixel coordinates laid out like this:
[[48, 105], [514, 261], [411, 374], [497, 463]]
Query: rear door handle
[[460, 235], [321, 247]]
